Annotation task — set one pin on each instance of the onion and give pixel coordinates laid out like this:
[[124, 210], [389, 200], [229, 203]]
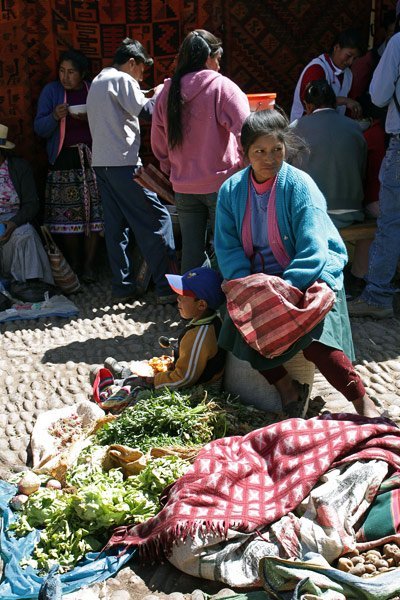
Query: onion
[[17, 502], [53, 484], [29, 483]]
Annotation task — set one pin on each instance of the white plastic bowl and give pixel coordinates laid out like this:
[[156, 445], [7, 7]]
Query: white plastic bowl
[[77, 109]]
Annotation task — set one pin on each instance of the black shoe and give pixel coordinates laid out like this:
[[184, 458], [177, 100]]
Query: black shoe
[[360, 308], [32, 290]]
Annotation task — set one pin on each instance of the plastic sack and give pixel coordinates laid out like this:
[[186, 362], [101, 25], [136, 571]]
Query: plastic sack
[[24, 584], [44, 444]]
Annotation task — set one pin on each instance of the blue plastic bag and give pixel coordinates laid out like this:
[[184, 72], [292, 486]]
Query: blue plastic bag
[[24, 584]]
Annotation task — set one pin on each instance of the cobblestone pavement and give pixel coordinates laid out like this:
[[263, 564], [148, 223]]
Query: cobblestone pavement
[[45, 364]]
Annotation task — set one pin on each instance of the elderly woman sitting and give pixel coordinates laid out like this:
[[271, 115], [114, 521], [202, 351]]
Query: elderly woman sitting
[[22, 256]]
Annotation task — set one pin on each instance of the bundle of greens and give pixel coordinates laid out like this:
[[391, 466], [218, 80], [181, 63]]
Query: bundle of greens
[[165, 418], [77, 520]]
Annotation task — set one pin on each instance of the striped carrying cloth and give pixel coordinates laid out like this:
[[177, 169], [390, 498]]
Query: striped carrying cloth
[[271, 315]]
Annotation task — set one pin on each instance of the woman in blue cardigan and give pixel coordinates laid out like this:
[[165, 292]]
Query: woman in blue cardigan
[[312, 246]]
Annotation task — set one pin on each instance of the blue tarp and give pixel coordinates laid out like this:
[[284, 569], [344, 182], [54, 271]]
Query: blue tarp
[[24, 584]]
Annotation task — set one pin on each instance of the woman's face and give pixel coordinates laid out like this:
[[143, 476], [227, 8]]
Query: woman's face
[[344, 57], [266, 156], [70, 77]]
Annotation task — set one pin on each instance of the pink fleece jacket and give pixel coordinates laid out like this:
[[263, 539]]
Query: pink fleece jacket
[[213, 113]]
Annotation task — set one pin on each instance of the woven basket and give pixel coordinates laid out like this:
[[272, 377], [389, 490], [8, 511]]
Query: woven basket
[[240, 378]]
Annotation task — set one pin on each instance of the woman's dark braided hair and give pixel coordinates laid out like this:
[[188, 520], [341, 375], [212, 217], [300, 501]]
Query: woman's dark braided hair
[[193, 54]]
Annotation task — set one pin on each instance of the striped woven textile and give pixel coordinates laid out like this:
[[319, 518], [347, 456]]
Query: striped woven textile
[[271, 314]]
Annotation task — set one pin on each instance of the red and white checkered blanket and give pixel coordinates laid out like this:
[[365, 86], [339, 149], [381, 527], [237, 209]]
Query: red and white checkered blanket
[[246, 483], [271, 315]]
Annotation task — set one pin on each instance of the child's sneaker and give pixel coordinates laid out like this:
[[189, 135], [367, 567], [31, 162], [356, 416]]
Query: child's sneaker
[[118, 370]]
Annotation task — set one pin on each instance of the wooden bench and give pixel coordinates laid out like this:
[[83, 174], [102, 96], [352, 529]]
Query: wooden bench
[[359, 231]]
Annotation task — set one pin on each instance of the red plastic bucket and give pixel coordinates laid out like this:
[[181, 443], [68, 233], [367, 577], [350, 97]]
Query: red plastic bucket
[[261, 101]]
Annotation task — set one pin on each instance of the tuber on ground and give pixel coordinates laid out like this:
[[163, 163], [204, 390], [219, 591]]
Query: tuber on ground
[[29, 483], [17, 502], [53, 484]]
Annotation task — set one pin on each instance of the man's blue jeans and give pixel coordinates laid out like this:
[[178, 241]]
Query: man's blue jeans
[[194, 210], [384, 253], [129, 207]]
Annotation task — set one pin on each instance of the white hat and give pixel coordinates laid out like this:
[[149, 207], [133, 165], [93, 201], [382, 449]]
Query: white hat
[[4, 143]]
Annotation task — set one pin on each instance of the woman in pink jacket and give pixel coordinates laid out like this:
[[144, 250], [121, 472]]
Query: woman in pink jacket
[[195, 134]]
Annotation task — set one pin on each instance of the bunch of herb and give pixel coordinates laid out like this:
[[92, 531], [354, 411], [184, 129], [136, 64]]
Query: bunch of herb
[[164, 418]]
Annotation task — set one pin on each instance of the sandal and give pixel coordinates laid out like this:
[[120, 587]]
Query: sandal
[[298, 409]]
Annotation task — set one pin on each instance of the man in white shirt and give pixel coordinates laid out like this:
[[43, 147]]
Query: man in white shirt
[[114, 104]]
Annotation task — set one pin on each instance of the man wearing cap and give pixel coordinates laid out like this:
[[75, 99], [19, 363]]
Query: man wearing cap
[[114, 104]]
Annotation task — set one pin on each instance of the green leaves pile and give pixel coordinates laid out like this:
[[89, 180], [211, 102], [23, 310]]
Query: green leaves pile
[[77, 521], [165, 418]]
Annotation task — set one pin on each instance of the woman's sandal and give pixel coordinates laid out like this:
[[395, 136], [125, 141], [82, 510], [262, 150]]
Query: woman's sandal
[[298, 409]]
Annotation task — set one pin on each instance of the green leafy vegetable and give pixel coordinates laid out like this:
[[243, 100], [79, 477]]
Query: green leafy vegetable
[[78, 521], [164, 418]]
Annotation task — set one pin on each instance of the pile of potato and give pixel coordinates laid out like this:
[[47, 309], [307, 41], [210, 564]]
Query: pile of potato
[[372, 562]]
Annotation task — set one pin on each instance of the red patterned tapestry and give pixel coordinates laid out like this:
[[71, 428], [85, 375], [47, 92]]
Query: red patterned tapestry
[[266, 44], [269, 43]]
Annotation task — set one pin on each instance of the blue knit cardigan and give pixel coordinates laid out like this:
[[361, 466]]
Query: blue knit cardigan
[[311, 240], [45, 125]]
